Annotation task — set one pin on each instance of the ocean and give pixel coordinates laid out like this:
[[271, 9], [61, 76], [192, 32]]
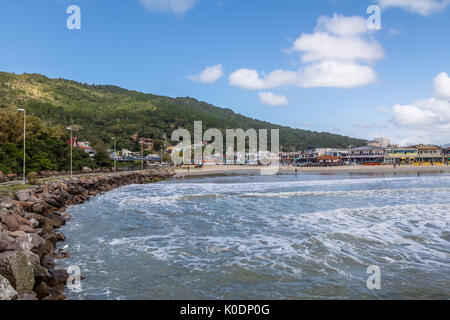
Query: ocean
[[305, 236]]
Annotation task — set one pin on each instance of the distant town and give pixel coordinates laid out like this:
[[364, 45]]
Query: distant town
[[377, 152]]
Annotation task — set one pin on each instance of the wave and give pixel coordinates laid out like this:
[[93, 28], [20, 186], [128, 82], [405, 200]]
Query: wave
[[282, 194]]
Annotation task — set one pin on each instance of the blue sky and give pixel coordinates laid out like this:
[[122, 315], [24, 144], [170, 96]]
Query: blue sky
[[364, 83]]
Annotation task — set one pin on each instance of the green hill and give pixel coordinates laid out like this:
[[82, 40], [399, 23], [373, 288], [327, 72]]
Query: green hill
[[105, 111]]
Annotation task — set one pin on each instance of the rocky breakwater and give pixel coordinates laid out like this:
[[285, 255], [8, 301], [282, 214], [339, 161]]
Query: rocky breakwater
[[28, 232]]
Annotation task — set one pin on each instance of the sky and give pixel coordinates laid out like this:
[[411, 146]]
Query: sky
[[322, 65]]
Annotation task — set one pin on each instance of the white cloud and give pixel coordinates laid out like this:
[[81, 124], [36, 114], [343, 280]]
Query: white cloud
[[337, 54], [253, 80], [342, 26], [174, 6], [423, 7], [427, 120], [321, 46], [273, 99], [442, 86], [209, 75], [337, 74]]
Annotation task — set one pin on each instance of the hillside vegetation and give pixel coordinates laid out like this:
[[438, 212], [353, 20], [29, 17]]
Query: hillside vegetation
[[104, 111]]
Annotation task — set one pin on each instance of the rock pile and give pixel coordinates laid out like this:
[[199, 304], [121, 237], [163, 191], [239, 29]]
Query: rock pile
[[28, 232]]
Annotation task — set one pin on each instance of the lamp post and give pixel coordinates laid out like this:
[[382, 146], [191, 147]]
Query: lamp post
[[164, 138], [24, 143], [115, 154], [142, 156], [71, 151]]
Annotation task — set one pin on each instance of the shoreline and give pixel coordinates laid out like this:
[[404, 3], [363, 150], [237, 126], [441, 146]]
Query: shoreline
[[29, 234], [376, 170]]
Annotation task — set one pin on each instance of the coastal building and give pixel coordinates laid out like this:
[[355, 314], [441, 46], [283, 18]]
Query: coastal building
[[146, 143], [399, 155], [380, 142], [308, 157], [85, 146], [446, 152], [367, 154], [429, 154], [329, 161], [287, 158]]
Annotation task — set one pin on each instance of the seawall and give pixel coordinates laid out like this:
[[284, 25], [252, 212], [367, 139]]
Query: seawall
[[29, 226]]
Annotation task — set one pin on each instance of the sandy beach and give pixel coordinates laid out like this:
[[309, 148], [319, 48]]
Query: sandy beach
[[234, 169]]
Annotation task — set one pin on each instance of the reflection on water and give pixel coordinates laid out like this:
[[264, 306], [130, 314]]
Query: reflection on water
[[253, 237]]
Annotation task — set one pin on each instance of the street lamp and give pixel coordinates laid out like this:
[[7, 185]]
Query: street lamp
[[115, 154], [142, 156], [71, 151], [24, 143]]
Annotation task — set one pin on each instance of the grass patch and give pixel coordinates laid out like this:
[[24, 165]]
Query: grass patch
[[9, 191]]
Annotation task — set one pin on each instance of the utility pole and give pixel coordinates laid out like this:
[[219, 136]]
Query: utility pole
[[24, 143], [142, 156], [115, 154], [71, 151]]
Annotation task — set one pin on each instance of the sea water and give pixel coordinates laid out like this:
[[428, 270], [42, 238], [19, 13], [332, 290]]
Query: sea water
[[305, 236]]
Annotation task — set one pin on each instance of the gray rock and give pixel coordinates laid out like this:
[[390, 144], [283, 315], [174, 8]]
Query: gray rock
[[40, 273], [7, 292], [34, 222], [23, 195], [15, 266]]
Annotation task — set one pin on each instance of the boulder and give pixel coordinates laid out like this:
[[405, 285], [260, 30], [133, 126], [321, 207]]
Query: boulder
[[27, 205], [6, 245], [7, 292], [26, 229], [60, 237], [15, 266], [13, 220], [37, 207], [15, 234], [30, 296], [58, 277], [40, 273], [87, 170], [42, 290], [34, 243], [10, 220], [34, 222], [23, 195]]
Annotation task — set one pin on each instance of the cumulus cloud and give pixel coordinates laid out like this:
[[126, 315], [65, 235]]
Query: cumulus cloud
[[427, 119], [442, 86], [423, 7], [321, 46], [337, 74], [209, 75], [174, 6], [273, 99], [339, 54]]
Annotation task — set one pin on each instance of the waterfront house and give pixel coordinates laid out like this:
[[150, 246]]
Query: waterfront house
[[146, 143], [446, 152], [328, 161], [398, 155], [429, 154], [86, 147], [367, 154]]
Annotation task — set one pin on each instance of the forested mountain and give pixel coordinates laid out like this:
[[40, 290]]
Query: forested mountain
[[101, 112], [106, 111]]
